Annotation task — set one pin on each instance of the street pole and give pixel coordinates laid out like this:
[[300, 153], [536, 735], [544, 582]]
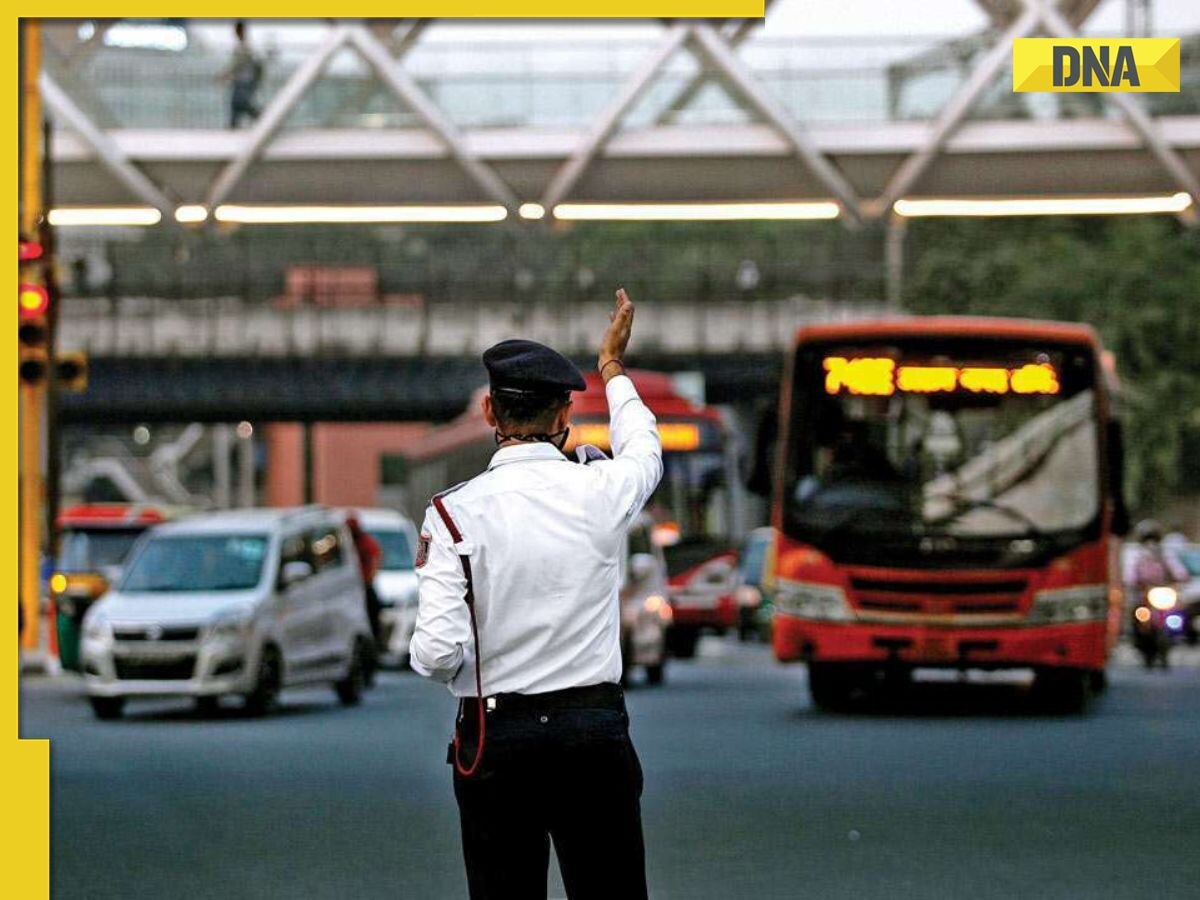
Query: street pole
[[32, 395]]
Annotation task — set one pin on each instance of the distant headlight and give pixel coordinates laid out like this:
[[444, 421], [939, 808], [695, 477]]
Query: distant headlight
[[748, 596], [230, 625], [1086, 603], [808, 600], [1162, 597], [657, 605], [96, 627]]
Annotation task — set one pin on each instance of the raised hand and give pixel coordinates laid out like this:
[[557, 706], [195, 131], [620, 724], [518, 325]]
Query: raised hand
[[616, 336]]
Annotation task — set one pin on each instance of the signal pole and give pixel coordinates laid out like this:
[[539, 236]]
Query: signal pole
[[32, 392]]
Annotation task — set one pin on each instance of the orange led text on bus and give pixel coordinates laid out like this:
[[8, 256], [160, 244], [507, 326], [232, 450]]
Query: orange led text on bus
[[882, 377]]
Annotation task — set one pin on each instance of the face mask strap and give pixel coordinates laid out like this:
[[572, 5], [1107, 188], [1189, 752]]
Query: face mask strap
[[558, 439]]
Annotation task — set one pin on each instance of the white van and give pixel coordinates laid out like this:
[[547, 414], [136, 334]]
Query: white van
[[245, 602]]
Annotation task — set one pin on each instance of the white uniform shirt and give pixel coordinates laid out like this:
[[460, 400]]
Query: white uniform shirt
[[544, 536]]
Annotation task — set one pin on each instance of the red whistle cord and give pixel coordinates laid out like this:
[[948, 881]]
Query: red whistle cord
[[456, 536]]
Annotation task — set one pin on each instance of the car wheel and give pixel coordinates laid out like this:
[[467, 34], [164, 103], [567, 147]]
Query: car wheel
[[208, 705], [107, 708], [656, 673], [350, 689], [267, 684], [682, 642]]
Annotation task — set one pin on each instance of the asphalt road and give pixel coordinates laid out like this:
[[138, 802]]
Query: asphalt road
[[962, 792]]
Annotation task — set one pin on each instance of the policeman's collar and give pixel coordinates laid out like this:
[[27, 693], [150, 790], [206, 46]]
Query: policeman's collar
[[524, 453]]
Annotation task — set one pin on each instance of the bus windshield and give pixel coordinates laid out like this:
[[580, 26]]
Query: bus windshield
[[941, 447]]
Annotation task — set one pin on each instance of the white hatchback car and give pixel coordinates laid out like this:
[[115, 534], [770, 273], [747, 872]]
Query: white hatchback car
[[245, 603], [396, 579]]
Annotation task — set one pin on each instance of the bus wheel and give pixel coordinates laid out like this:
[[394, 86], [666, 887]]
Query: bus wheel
[[1063, 690], [831, 685]]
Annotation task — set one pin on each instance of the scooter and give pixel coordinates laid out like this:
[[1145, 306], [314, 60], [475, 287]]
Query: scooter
[[1157, 621]]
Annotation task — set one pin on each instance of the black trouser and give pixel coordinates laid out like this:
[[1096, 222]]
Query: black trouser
[[558, 767]]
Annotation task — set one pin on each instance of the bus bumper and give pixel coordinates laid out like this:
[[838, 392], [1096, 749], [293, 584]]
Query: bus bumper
[[1074, 645]]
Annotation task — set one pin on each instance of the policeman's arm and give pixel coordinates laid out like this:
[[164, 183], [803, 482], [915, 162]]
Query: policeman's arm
[[633, 475], [637, 465], [443, 626]]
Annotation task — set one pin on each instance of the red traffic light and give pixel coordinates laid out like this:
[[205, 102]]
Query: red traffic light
[[32, 300], [27, 250]]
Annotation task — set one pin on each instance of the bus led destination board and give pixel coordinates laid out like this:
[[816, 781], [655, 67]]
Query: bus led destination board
[[875, 376]]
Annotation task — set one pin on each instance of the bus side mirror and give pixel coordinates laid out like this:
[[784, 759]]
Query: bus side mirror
[[762, 466], [1116, 478]]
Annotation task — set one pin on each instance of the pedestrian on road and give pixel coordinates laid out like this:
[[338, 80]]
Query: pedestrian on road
[[369, 555], [519, 578]]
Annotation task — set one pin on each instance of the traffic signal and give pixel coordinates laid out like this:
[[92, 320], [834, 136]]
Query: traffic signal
[[33, 306], [71, 370]]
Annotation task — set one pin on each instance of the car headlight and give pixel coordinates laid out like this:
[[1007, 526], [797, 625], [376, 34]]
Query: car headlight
[[808, 600], [96, 627], [230, 625], [1162, 597], [1085, 603]]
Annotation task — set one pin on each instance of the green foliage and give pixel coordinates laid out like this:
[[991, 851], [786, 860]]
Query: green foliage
[[1136, 280]]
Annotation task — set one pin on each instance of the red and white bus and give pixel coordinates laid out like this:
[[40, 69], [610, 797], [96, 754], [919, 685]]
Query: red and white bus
[[694, 508], [945, 494]]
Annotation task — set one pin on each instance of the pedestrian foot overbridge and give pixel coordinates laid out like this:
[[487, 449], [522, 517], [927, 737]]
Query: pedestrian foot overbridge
[[387, 115], [223, 359]]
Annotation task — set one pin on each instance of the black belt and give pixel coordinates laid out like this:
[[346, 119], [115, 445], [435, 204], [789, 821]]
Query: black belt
[[592, 696]]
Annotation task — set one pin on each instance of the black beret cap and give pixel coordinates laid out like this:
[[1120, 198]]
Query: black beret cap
[[529, 366]]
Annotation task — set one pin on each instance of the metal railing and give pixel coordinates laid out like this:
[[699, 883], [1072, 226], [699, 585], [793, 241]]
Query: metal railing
[[228, 327]]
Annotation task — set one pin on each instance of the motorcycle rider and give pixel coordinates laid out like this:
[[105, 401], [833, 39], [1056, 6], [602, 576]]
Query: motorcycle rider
[[1146, 568], [1146, 564]]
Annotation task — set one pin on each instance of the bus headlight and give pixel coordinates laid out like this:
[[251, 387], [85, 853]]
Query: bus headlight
[[1162, 597], [808, 600], [1085, 603]]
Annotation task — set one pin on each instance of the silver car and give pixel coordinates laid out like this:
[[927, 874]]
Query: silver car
[[239, 603]]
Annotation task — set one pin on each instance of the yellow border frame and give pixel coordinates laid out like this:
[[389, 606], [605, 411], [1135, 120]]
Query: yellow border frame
[[25, 764]]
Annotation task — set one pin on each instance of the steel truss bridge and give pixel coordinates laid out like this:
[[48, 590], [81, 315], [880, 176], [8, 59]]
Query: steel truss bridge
[[373, 113], [941, 122]]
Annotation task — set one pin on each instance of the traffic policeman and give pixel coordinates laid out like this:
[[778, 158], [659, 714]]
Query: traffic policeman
[[519, 578]]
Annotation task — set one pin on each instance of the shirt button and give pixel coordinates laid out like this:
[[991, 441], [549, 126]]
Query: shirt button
[[543, 719]]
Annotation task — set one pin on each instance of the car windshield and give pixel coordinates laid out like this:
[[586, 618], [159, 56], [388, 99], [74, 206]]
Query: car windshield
[[210, 562], [967, 442], [95, 549], [397, 554]]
